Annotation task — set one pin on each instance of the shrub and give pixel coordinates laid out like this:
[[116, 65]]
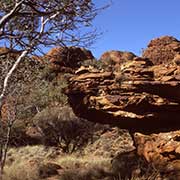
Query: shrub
[[40, 93], [19, 136], [61, 127], [34, 85]]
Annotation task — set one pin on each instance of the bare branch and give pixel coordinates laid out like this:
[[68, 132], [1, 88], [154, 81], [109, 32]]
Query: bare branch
[[8, 16], [42, 13], [44, 22]]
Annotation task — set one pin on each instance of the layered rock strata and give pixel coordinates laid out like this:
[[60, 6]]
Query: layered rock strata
[[138, 94], [139, 97]]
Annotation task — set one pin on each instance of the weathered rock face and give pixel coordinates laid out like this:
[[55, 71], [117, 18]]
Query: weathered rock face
[[140, 97], [119, 141], [67, 59], [162, 150], [117, 57], [162, 50]]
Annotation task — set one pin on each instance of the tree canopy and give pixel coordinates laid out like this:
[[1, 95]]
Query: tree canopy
[[31, 25], [36, 23]]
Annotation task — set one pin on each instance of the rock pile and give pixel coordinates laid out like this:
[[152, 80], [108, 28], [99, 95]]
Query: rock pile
[[162, 150], [12, 53]]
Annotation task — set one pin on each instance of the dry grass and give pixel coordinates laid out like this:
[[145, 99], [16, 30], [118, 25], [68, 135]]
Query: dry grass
[[41, 163], [86, 168], [154, 176], [24, 163], [75, 161], [22, 171], [27, 163], [30, 152]]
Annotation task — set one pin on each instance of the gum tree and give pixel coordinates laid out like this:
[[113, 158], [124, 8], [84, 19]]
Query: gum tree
[[30, 26]]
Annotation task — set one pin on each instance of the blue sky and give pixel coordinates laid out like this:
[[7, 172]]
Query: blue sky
[[129, 25]]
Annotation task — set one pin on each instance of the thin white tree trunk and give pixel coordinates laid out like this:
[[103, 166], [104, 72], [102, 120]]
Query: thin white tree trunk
[[3, 150], [6, 80]]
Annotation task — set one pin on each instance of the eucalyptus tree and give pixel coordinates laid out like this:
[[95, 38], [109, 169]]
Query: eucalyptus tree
[[33, 25], [30, 26]]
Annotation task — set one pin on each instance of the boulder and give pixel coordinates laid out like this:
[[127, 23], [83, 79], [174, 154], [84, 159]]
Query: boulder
[[113, 59], [68, 59], [12, 53], [156, 156], [162, 150], [141, 95], [127, 165], [119, 141], [162, 50]]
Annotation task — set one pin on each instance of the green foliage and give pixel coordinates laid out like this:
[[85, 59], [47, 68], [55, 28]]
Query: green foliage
[[6, 4], [27, 72], [35, 87], [45, 93]]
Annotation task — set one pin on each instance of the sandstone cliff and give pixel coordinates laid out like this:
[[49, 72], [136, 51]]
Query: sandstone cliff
[[141, 94], [139, 97]]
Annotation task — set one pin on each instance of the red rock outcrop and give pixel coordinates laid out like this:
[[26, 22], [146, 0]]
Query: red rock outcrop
[[67, 59], [141, 95], [162, 150], [117, 57], [134, 97], [9, 52], [162, 50]]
